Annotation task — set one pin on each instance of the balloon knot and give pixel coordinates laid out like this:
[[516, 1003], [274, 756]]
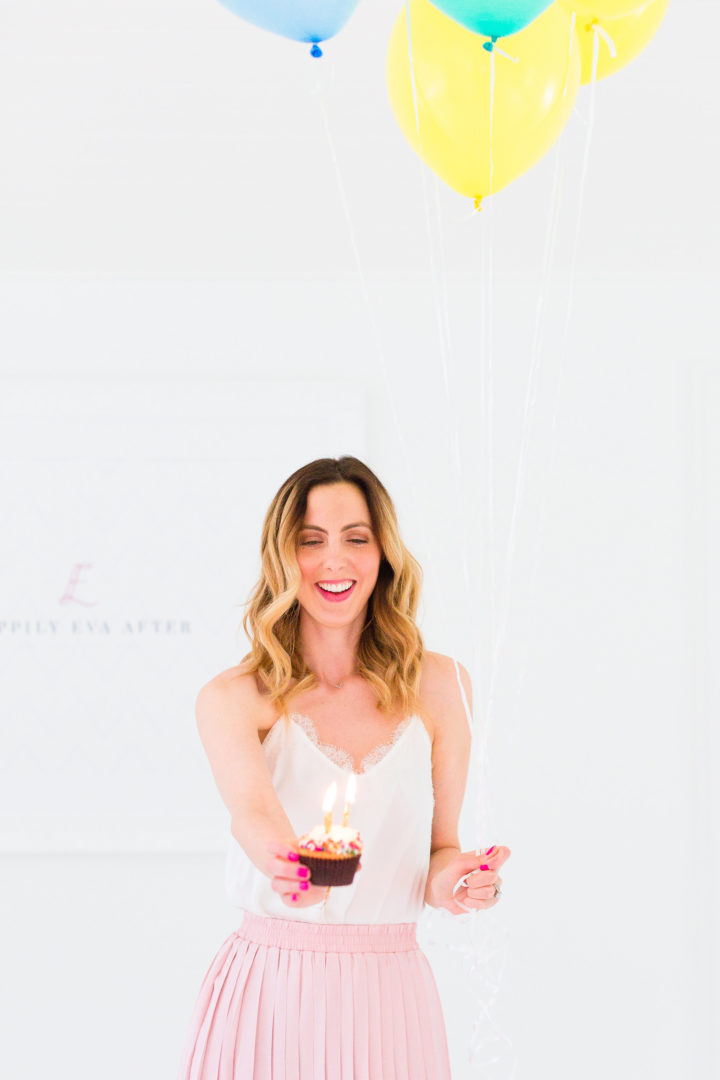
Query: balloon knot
[[478, 203], [600, 31], [316, 50], [489, 45]]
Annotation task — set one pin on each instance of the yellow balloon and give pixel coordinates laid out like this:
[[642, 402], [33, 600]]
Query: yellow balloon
[[628, 33], [533, 98], [606, 9]]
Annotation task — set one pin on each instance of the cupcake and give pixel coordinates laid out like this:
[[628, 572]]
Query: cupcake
[[332, 858]]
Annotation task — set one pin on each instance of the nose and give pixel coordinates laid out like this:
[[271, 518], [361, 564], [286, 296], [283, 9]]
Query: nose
[[334, 557], [334, 565]]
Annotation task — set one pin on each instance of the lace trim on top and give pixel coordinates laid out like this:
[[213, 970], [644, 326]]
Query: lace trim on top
[[342, 757]]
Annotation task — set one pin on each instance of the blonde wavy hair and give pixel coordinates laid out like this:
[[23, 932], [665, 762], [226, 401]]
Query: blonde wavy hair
[[390, 649]]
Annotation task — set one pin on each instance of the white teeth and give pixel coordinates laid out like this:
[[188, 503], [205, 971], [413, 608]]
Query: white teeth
[[342, 587]]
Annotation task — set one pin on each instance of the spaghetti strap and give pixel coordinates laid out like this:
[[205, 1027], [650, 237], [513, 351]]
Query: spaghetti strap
[[464, 697]]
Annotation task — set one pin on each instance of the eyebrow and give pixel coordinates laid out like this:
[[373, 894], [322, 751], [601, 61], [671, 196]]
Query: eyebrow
[[354, 525]]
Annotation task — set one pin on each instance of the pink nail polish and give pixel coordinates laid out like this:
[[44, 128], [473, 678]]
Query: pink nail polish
[[484, 867], [293, 856], [490, 850], [294, 896], [304, 884]]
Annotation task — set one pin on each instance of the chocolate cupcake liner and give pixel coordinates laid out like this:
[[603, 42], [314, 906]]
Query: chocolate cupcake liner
[[330, 869]]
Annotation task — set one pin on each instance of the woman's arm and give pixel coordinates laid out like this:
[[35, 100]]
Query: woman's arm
[[450, 760], [226, 714]]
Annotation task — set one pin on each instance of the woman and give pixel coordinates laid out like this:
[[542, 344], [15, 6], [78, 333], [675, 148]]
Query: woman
[[320, 983]]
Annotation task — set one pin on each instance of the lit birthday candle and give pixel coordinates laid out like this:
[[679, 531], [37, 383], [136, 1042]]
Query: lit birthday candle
[[349, 796], [328, 804]]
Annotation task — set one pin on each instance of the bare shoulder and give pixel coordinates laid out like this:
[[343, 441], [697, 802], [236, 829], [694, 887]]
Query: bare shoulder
[[229, 711], [440, 692], [237, 691]]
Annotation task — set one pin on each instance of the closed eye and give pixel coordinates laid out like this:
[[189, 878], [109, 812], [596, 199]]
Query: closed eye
[[309, 543]]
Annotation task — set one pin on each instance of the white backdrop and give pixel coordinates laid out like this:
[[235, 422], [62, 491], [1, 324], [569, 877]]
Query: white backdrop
[[131, 541], [174, 206]]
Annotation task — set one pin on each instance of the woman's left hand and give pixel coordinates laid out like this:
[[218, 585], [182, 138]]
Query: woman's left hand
[[482, 877]]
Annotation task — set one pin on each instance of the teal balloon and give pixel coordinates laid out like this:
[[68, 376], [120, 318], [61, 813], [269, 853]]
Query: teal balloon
[[300, 20], [493, 18]]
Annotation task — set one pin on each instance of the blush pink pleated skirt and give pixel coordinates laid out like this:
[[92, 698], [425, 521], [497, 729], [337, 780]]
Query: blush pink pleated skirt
[[290, 1000]]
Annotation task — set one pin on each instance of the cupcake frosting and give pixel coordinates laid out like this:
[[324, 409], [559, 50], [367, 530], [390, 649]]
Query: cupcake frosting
[[341, 840]]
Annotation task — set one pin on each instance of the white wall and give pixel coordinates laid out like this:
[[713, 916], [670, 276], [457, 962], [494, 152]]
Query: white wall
[[171, 207]]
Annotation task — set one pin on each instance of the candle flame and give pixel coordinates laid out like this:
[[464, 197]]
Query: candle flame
[[330, 796]]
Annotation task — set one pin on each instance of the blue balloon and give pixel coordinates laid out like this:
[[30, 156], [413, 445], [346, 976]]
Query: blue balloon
[[301, 20], [493, 18]]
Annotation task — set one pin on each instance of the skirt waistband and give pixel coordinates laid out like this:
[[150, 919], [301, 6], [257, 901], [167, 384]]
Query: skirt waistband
[[328, 937]]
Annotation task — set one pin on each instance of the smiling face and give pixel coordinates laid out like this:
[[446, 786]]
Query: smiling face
[[338, 549]]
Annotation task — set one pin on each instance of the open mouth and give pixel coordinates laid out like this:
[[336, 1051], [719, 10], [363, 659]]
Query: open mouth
[[335, 592]]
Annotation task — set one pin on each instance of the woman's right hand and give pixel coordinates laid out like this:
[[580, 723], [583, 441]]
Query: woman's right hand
[[290, 878]]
